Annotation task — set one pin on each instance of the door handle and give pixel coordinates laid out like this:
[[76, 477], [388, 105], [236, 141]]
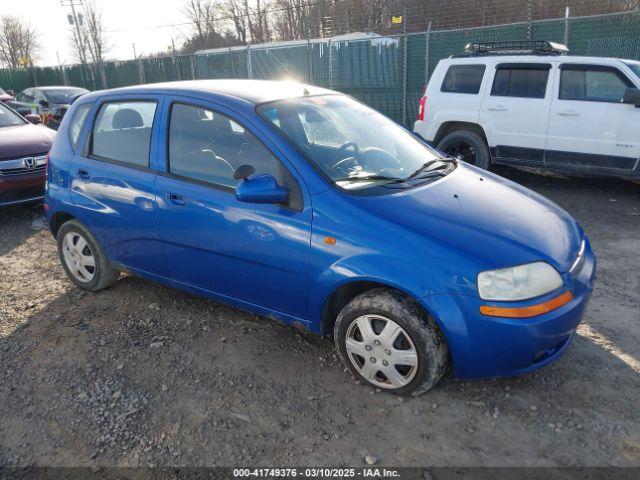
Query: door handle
[[175, 198], [82, 173], [569, 113], [498, 108]]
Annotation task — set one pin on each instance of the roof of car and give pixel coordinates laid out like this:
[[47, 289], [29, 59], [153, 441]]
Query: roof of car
[[254, 91], [534, 58], [58, 87]]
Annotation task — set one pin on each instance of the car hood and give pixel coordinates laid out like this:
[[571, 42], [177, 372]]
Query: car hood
[[24, 140], [492, 221]]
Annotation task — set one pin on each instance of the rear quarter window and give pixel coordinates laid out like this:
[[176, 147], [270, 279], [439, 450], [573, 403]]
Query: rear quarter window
[[463, 79], [75, 127]]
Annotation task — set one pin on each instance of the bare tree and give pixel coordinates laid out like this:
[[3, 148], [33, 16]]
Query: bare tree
[[79, 39], [95, 39], [19, 44], [89, 41], [202, 14], [214, 24], [257, 20], [95, 32], [233, 10]]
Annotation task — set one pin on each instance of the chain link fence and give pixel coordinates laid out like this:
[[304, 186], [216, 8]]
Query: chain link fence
[[388, 72]]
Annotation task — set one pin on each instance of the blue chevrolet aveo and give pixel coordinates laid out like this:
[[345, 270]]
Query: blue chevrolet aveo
[[303, 204]]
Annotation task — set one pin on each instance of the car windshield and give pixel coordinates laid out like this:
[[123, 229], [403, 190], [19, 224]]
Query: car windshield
[[8, 118], [352, 144], [63, 95], [635, 66]]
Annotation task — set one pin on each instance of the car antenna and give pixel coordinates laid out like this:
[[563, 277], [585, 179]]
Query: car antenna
[[305, 92]]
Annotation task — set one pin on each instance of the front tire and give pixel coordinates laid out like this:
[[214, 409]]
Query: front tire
[[83, 259], [389, 342], [467, 145]]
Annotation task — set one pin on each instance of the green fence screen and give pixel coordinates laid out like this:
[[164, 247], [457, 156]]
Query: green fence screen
[[388, 73]]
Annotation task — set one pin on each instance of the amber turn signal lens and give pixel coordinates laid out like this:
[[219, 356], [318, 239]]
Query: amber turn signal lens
[[330, 240], [530, 311]]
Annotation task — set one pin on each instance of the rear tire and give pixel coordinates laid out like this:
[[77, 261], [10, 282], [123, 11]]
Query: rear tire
[[389, 342], [83, 259], [470, 146]]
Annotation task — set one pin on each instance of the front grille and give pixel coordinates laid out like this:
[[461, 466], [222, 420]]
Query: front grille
[[19, 166], [21, 195]]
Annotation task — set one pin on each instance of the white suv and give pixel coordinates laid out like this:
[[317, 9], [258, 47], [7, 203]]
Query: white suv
[[541, 109]]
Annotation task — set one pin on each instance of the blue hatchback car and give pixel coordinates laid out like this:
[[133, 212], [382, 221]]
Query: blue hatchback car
[[303, 204]]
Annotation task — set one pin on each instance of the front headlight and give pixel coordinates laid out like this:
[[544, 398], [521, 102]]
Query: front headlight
[[518, 283]]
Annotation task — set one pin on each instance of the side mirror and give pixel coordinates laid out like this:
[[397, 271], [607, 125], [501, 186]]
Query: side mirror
[[11, 92], [261, 189], [632, 96], [33, 118], [43, 103]]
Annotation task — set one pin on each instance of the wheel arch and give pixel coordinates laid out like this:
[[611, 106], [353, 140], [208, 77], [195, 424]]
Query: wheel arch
[[57, 220], [451, 126], [341, 295]]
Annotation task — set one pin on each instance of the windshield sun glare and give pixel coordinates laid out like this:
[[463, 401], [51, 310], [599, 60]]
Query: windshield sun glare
[[351, 144]]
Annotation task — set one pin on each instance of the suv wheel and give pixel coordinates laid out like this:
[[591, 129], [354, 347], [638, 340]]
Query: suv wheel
[[389, 342], [467, 145], [83, 259]]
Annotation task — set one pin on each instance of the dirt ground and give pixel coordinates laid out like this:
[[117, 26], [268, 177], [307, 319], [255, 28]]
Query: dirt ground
[[141, 374]]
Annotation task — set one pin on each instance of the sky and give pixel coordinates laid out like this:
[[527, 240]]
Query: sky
[[127, 22]]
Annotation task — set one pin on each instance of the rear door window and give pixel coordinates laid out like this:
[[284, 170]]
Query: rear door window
[[463, 79], [520, 80], [75, 127], [122, 132]]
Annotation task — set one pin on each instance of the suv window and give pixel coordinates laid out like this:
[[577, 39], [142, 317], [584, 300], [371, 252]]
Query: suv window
[[592, 85], [122, 132], [635, 67], [463, 79], [520, 80], [208, 146], [75, 127]]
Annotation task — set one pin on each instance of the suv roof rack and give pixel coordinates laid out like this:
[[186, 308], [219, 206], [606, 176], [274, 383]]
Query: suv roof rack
[[515, 47]]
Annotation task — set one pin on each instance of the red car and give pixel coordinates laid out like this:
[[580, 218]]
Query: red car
[[23, 151], [6, 96]]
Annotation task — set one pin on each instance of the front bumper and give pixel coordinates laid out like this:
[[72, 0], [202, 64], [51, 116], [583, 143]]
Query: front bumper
[[21, 188], [483, 346]]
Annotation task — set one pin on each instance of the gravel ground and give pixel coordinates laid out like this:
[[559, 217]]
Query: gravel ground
[[143, 375]]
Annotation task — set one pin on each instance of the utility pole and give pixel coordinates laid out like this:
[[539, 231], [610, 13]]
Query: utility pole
[[529, 17], [76, 22], [173, 55], [72, 4], [61, 67], [566, 25], [405, 59]]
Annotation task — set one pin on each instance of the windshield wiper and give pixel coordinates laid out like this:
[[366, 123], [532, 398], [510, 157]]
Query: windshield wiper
[[426, 165], [430, 174], [366, 178]]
